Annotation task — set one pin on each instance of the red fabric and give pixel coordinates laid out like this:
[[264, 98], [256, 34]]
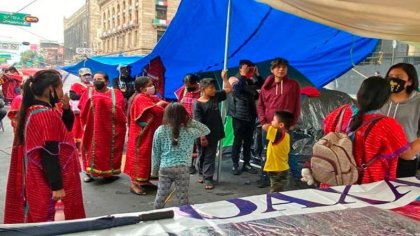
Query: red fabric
[[187, 99], [10, 83], [139, 147], [310, 92], [77, 130], [14, 111], [386, 138], [100, 146], [273, 98], [156, 70], [28, 186]]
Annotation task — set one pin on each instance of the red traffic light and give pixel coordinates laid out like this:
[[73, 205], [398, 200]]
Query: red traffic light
[[31, 19]]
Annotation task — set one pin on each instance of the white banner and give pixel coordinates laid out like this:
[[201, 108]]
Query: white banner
[[215, 216]]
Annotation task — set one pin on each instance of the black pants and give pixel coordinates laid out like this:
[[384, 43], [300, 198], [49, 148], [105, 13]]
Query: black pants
[[407, 168], [206, 163], [243, 131], [3, 113]]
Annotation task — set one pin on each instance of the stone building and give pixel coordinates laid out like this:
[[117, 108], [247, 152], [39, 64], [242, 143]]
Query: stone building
[[81, 30], [133, 27]]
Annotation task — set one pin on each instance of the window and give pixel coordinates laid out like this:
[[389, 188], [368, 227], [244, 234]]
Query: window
[[161, 12], [135, 39], [159, 34], [129, 40]]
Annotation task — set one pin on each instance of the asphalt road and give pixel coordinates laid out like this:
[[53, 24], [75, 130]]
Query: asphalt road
[[103, 198]]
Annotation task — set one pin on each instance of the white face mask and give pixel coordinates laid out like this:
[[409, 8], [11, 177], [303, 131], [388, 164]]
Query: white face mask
[[151, 90]]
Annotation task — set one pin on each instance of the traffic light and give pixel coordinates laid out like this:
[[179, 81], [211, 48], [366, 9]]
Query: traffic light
[[31, 19]]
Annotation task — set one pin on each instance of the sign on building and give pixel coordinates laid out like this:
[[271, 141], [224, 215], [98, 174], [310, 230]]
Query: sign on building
[[84, 51], [9, 46]]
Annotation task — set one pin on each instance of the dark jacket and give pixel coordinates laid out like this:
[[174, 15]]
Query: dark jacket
[[283, 96], [241, 103]]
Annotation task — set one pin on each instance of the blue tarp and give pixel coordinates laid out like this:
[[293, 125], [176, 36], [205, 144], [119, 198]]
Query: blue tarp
[[194, 42], [105, 64]]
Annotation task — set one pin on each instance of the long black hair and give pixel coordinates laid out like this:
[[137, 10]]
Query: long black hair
[[410, 70], [35, 86], [141, 83], [175, 116], [372, 95]]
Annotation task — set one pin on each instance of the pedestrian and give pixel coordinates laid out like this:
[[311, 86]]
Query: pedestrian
[[277, 163], [404, 106], [386, 141], [124, 82], [206, 111], [76, 91], [242, 109], [187, 95], [11, 81], [102, 113], [279, 93], [44, 167], [146, 113], [13, 112], [172, 146]]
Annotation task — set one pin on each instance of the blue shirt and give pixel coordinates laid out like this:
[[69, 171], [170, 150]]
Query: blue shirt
[[164, 154]]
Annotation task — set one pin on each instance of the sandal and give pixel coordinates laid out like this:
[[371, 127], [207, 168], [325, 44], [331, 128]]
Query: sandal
[[209, 186], [140, 191], [200, 179], [88, 179]]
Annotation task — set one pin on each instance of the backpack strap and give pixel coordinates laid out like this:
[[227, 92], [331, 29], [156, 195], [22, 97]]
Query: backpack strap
[[338, 123], [372, 122]]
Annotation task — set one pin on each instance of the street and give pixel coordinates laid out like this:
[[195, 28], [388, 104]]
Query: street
[[103, 198]]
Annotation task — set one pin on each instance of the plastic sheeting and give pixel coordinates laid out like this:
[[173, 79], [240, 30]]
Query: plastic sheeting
[[195, 42], [108, 65]]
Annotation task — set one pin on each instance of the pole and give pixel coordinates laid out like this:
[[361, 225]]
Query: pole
[[223, 108], [394, 46]]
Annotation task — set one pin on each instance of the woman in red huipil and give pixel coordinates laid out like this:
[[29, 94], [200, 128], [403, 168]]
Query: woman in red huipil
[[44, 166], [102, 114], [146, 114], [11, 81]]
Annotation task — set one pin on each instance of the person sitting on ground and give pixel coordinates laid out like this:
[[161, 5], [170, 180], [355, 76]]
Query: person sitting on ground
[[386, 140], [172, 146], [206, 111], [277, 163]]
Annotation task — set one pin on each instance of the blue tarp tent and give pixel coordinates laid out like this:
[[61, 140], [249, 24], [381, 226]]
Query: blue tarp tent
[[194, 42], [105, 64]]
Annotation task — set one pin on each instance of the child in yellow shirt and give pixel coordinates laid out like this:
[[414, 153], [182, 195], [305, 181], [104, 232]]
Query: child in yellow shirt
[[278, 150]]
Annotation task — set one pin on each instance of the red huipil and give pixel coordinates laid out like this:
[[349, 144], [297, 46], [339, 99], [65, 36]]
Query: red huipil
[[103, 117], [29, 195], [187, 99], [77, 130], [11, 83], [143, 110], [14, 111], [386, 139]]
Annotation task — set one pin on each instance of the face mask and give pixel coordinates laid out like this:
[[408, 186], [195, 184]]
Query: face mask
[[99, 84], [151, 90], [191, 89], [397, 85], [86, 79], [54, 98]]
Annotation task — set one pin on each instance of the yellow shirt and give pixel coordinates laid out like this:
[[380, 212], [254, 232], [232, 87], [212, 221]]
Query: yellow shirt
[[278, 150]]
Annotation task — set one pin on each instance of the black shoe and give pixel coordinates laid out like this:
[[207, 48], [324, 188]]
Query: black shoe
[[235, 170], [248, 168], [192, 170]]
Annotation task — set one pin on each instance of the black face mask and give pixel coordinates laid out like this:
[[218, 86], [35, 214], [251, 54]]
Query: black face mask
[[99, 85], [191, 89], [397, 85], [54, 99]]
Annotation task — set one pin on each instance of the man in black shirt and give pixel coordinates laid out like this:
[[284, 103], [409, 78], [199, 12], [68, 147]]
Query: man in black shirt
[[125, 82]]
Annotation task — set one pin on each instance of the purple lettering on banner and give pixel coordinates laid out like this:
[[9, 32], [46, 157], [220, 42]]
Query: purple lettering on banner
[[289, 200], [245, 208], [408, 182], [394, 190]]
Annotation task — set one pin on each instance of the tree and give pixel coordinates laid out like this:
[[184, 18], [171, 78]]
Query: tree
[[30, 58]]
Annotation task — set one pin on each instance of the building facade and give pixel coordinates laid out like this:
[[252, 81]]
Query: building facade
[[133, 27], [81, 30]]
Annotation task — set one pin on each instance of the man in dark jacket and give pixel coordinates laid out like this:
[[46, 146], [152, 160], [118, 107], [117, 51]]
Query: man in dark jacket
[[124, 82], [279, 93], [242, 108]]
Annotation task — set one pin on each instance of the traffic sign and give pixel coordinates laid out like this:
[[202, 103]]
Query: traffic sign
[[10, 18]]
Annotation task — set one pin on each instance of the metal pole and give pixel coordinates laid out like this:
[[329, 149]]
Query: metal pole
[[394, 46], [223, 108]]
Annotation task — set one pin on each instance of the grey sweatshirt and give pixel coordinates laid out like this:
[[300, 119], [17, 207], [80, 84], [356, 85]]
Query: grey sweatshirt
[[407, 113]]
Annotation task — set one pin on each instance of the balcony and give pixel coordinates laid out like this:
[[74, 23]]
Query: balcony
[[160, 23], [161, 2]]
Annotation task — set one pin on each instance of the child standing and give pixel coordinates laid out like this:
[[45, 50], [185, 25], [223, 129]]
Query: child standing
[[206, 110], [171, 153], [278, 150]]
